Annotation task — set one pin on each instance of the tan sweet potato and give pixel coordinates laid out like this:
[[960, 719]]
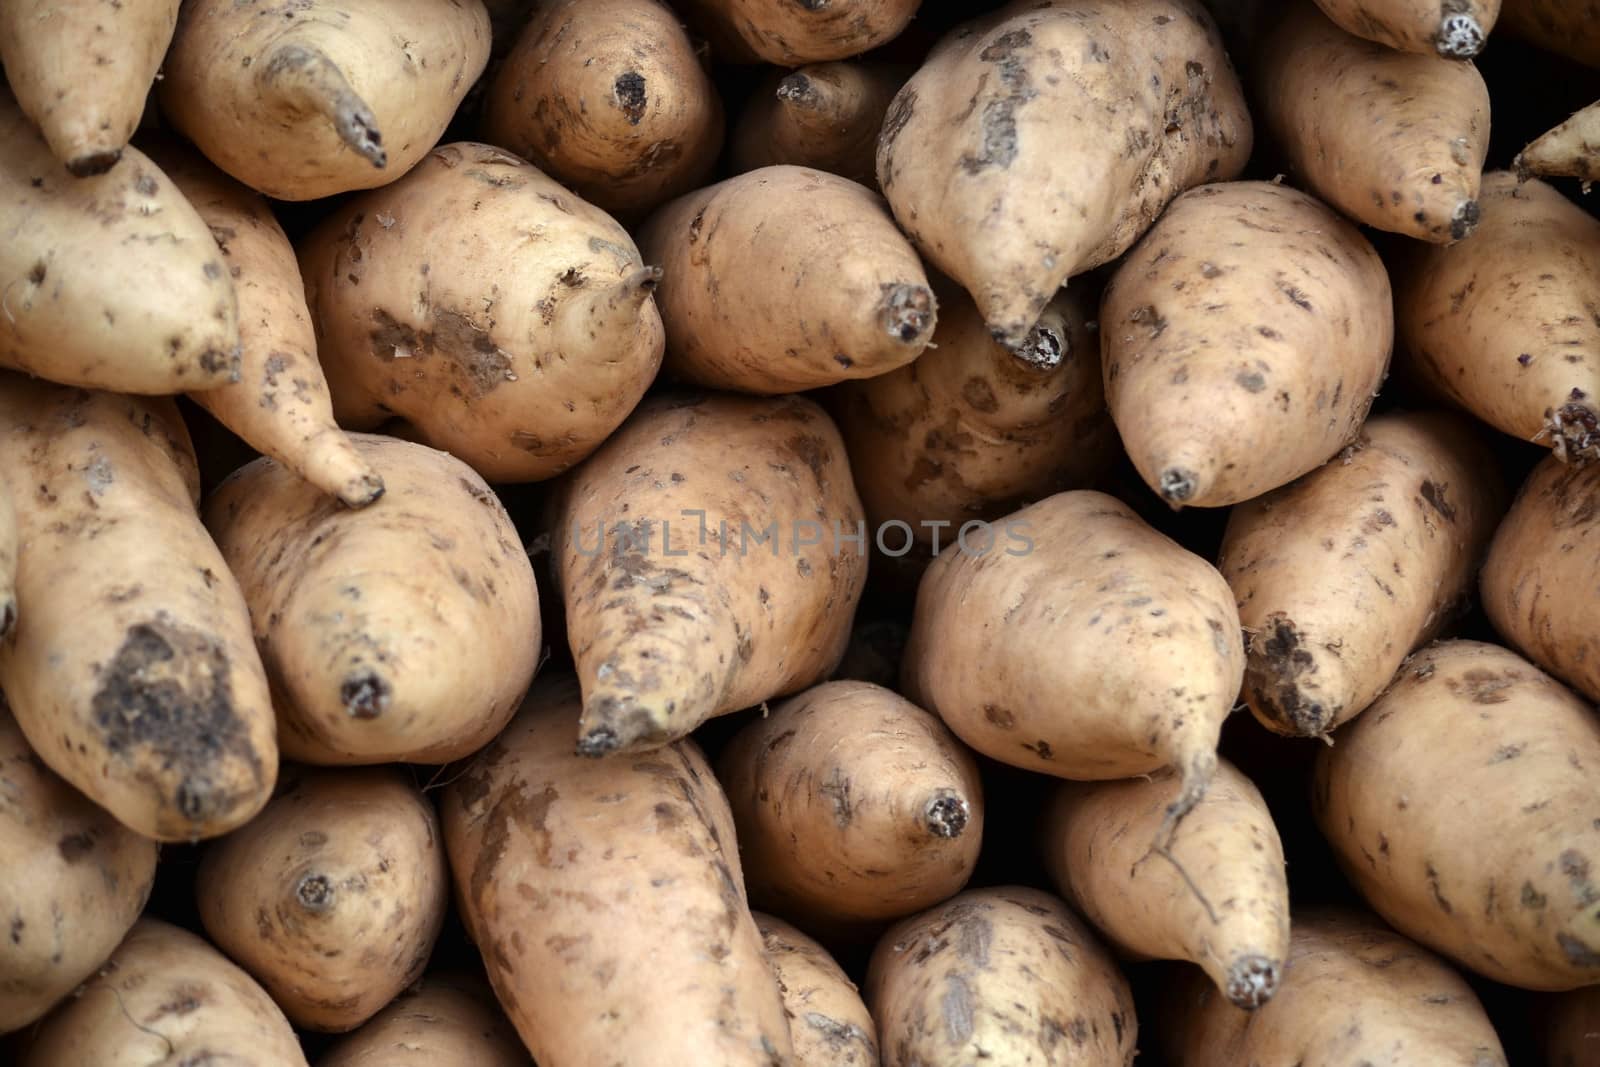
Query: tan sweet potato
[[134, 675], [166, 997], [827, 1018], [318, 97], [333, 896], [1541, 581], [1570, 1028], [1043, 139], [1461, 805], [608, 901], [702, 555], [1007, 975], [1455, 29], [853, 805], [72, 880], [1355, 992], [1567, 27], [1243, 340], [507, 321], [1342, 573], [825, 116], [1395, 140], [446, 1020], [1495, 325], [792, 33], [402, 632], [1571, 149]]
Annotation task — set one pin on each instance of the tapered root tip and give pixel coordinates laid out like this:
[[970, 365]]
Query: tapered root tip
[[1465, 219], [1278, 658], [91, 163], [362, 491], [358, 128], [601, 741], [907, 312], [947, 815], [365, 695], [1575, 429], [1252, 981], [1178, 486], [798, 90], [1460, 37], [1042, 349]]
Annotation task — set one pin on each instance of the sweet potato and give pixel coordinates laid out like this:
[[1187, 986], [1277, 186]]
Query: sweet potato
[[73, 880], [827, 1018], [446, 1020], [1571, 149], [318, 97], [1541, 581], [1041, 140], [1570, 1030], [785, 279], [110, 282], [1008, 975], [1214, 893], [792, 33], [280, 405], [705, 558], [1565, 27], [1083, 645], [166, 997], [1455, 29], [825, 116], [1392, 139], [1243, 338], [1355, 992], [333, 896], [402, 632], [853, 805], [1497, 325], [1461, 805], [609, 98], [1342, 573], [134, 675], [608, 901], [507, 321]]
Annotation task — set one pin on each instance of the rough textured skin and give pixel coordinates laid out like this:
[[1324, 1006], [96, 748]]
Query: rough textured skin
[[445, 1020], [1215, 892], [166, 997], [132, 670], [280, 405], [824, 115], [792, 33], [73, 881], [1392, 139], [609, 98], [1355, 992], [1570, 1030], [1042, 140], [406, 632], [333, 896], [1462, 807], [703, 561], [301, 99], [1004, 975], [81, 70], [1509, 327], [1541, 581], [507, 321], [1243, 338], [1567, 27], [1083, 644], [785, 279], [108, 282], [1341, 574], [1571, 149], [827, 1018], [608, 901], [852, 805], [1454, 29]]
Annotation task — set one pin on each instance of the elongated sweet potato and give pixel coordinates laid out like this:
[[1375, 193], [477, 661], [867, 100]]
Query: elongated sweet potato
[[333, 896], [853, 805], [1008, 975], [507, 321], [1541, 580], [1342, 573], [1462, 807], [711, 556], [791, 33], [1084, 645], [828, 1021], [1571, 149], [1497, 325], [446, 1020], [135, 677], [825, 116], [1568, 28], [402, 632], [608, 901], [1392, 139], [1455, 29], [1354, 992], [318, 97], [1041, 140]]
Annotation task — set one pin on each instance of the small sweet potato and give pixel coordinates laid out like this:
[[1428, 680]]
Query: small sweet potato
[[825, 116], [1570, 150], [829, 1022], [791, 33], [445, 1020]]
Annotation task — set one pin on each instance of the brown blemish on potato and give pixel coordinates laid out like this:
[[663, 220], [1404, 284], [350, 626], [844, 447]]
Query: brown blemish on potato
[[1277, 662], [1434, 494], [630, 96], [365, 695], [73, 847], [999, 122]]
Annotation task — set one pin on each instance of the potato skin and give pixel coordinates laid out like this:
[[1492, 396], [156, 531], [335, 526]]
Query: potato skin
[[1342, 573], [1244, 339], [1570, 149], [1461, 806], [825, 116], [333, 896], [62, 859], [1008, 974], [445, 1020], [1541, 581], [793, 34], [1454, 30], [829, 1022], [608, 901]]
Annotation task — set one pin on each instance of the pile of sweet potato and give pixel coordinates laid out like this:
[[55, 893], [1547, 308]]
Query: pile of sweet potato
[[799, 533]]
